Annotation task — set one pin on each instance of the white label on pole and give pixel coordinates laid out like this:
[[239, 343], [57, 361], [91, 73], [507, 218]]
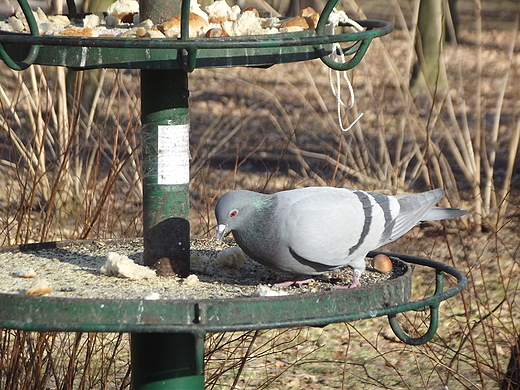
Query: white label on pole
[[173, 154]]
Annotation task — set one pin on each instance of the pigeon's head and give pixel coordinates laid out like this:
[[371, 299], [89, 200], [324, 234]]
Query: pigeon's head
[[233, 210]]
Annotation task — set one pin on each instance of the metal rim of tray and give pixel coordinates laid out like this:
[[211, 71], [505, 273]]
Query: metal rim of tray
[[32, 313], [183, 52]]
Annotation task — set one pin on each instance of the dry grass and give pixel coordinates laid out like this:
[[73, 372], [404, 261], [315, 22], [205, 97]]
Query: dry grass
[[71, 169], [65, 147]]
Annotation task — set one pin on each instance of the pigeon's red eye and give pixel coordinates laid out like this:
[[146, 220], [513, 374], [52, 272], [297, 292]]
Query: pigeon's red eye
[[233, 213]]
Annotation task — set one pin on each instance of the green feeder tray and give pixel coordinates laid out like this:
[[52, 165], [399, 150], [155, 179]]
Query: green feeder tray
[[168, 334], [19, 50]]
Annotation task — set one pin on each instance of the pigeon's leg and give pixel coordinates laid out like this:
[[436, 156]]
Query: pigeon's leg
[[355, 279], [296, 281]]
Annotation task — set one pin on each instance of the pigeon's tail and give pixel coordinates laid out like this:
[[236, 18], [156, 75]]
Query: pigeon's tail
[[423, 203], [417, 208], [440, 213]]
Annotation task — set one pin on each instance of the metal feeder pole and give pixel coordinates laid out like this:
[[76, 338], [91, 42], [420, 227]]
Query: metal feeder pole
[[165, 162], [166, 360]]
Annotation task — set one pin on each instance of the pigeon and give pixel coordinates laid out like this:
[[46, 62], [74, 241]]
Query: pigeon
[[313, 230]]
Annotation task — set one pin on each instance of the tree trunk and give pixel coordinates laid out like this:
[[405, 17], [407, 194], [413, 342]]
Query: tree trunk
[[429, 70]]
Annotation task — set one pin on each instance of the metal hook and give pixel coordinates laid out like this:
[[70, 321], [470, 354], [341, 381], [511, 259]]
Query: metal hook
[[434, 318], [33, 51], [404, 337]]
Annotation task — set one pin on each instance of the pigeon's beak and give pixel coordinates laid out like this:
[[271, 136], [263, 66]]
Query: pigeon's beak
[[221, 232]]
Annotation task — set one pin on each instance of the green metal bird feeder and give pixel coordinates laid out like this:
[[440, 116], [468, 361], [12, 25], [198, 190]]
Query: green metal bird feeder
[[167, 336]]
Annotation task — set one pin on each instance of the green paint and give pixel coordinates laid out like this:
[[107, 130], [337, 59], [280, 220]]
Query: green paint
[[28, 54], [167, 361], [167, 346], [164, 104], [191, 53], [19, 311]]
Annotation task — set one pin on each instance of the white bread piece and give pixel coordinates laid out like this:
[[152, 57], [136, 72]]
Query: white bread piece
[[78, 32], [217, 11], [91, 21], [195, 9], [44, 27], [253, 10], [307, 19], [132, 33], [227, 27], [290, 29], [271, 30], [270, 22], [307, 12], [247, 23], [122, 266], [172, 27], [15, 24], [25, 273], [123, 7], [59, 20], [234, 12], [41, 16], [297, 21], [152, 34], [146, 24], [39, 287], [220, 11], [311, 15], [5, 26], [124, 10]]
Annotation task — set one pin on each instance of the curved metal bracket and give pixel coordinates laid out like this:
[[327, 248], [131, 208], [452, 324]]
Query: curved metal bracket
[[434, 318], [432, 302], [324, 17], [359, 48], [360, 52], [33, 51], [404, 337]]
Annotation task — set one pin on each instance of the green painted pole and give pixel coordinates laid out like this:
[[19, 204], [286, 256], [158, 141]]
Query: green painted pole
[[165, 161], [166, 360], [170, 361]]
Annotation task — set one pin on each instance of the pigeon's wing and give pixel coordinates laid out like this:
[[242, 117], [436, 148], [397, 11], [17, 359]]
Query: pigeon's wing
[[330, 227], [412, 210]]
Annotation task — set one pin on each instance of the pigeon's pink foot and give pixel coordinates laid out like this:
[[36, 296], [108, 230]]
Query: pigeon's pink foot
[[355, 281], [355, 284], [349, 286], [296, 281]]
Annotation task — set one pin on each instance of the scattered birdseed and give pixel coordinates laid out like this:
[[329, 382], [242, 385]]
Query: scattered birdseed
[[73, 271]]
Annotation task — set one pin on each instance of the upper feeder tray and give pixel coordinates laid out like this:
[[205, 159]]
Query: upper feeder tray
[[19, 50]]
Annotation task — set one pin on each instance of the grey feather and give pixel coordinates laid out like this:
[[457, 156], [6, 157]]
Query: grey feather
[[312, 230], [440, 213]]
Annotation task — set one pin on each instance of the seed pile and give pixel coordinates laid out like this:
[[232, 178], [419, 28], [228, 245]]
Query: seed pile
[[122, 19], [219, 271]]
